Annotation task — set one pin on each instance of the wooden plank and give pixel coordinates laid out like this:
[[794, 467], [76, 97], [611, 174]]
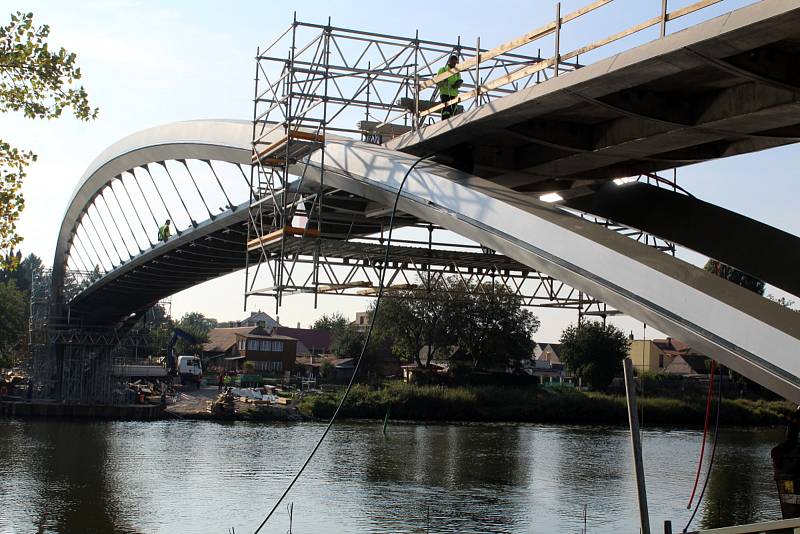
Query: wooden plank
[[697, 6], [532, 69], [610, 39], [529, 37], [272, 146], [295, 134], [271, 237]]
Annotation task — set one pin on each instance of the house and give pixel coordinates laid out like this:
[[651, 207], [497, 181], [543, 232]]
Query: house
[[309, 341], [547, 352], [362, 321], [257, 318], [689, 365], [338, 369], [231, 348], [659, 355], [412, 371], [221, 344]]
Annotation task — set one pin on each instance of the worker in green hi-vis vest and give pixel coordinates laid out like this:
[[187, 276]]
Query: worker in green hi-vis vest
[[448, 88], [163, 231]]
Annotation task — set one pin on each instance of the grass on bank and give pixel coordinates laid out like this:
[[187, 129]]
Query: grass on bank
[[531, 404]]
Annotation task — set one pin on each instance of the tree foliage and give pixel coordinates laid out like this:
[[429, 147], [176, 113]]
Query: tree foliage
[[409, 320], [40, 82], [736, 276], [197, 322], [13, 315], [15, 290], [593, 351], [486, 321], [494, 328], [335, 323]]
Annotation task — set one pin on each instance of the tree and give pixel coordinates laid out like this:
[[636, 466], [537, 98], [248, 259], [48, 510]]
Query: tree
[[736, 276], [410, 319], [40, 83], [593, 351], [198, 325], [197, 322], [495, 328], [486, 321], [334, 323], [348, 342], [13, 316]]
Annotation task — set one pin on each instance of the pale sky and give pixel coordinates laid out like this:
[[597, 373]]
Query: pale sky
[[151, 63]]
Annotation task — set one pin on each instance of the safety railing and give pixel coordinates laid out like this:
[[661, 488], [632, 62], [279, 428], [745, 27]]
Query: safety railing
[[553, 28]]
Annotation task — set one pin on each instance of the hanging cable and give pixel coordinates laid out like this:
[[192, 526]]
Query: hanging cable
[[709, 398], [360, 356], [710, 460]]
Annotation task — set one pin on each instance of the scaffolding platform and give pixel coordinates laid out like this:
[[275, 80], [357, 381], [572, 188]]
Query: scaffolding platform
[[275, 237], [295, 145]]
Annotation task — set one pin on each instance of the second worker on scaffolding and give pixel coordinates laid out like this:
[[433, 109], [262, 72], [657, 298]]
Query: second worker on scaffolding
[[448, 88]]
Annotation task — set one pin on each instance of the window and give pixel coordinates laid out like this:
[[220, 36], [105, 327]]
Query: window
[[277, 346], [269, 366], [661, 361]]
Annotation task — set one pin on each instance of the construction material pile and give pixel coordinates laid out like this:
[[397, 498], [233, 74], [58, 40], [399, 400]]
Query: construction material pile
[[224, 405], [150, 391]]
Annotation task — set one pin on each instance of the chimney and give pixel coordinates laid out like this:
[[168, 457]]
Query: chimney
[[298, 325]]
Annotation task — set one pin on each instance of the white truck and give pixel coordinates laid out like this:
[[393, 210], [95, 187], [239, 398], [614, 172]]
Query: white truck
[[190, 370]]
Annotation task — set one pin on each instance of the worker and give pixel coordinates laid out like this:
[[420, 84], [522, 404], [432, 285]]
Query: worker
[[448, 88], [163, 231]]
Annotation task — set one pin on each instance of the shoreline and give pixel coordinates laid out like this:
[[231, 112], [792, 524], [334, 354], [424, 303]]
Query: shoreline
[[431, 404]]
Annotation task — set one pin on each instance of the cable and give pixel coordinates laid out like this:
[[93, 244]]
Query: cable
[[711, 460], [360, 356], [709, 398]]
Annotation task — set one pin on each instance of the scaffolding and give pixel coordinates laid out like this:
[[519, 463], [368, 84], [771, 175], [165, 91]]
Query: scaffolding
[[72, 362], [315, 81], [319, 80]]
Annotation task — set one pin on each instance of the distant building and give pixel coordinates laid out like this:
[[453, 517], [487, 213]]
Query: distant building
[[338, 369], [231, 348], [362, 321], [666, 356], [547, 352], [309, 341], [259, 317]]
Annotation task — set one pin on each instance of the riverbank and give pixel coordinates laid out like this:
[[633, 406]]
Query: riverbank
[[532, 405]]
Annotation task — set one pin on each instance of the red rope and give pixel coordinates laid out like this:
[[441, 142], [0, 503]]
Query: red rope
[[709, 397]]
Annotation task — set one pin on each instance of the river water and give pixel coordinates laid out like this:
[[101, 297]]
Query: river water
[[206, 477]]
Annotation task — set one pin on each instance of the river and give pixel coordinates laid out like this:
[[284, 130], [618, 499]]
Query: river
[[203, 477]]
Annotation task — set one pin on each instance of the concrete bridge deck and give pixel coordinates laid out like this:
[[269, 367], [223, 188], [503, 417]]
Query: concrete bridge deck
[[726, 86]]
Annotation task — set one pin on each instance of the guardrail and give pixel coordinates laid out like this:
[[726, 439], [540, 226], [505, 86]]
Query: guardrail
[[553, 28]]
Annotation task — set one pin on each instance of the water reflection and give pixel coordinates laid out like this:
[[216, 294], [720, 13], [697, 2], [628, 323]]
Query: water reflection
[[194, 477], [740, 484]]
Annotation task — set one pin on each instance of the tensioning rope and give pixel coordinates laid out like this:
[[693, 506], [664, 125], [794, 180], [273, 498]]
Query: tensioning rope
[[360, 356], [711, 460], [709, 398]]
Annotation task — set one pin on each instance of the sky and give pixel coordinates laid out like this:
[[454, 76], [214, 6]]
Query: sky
[[147, 63]]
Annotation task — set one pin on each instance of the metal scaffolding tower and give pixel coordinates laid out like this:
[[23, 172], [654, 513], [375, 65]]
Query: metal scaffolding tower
[[316, 81]]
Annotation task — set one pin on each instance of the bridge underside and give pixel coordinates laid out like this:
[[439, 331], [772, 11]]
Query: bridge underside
[[724, 87]]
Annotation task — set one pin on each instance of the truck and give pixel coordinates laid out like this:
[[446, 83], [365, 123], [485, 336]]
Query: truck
[[188, 368]]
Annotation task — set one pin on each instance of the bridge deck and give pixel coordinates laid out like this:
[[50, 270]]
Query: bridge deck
[[723, 87]]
